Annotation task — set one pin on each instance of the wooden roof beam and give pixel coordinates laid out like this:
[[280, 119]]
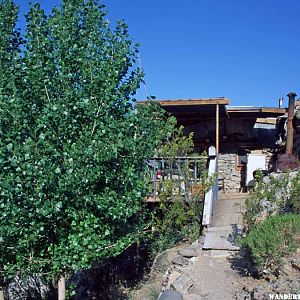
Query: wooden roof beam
[[188, 102]]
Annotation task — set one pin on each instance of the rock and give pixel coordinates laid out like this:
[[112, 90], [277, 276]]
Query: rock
[[220, 253], [257, 294], [194, 260], [173, 276], [183, 283], [188, 252], [201, 241], [286, 269], [246, 289], [196, 244], [179, 260], [296, 263], [170, 295]]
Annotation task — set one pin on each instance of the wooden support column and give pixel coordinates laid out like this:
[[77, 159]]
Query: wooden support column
[[217, 128]]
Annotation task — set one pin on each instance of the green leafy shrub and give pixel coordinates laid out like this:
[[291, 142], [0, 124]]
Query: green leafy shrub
[[273, 239], [176, 222], [278, 194]]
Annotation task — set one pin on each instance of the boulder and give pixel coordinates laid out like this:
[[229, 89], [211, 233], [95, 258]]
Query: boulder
[[188, 252], [180, 261]]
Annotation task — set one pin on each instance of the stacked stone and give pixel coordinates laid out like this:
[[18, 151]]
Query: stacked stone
[[229, 173]]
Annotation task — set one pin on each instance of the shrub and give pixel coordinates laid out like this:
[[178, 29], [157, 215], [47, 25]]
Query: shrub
[[273, 239], [175, 222], [276, 194]]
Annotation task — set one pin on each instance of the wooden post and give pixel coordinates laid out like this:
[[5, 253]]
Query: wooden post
[[62, 288], [1, 293], [217, 128]]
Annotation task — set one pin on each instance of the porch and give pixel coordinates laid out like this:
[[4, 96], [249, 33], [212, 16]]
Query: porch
[[179, 176]]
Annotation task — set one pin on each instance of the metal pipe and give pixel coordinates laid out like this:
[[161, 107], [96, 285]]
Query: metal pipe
[[290, 129]]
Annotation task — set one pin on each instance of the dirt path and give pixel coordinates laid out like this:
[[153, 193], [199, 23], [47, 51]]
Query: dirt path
[[214, 278]]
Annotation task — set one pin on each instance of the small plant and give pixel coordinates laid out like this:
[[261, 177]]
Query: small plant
[[272, 239]]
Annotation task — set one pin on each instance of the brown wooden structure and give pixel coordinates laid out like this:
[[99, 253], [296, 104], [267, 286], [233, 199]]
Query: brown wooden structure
[[233, 130]]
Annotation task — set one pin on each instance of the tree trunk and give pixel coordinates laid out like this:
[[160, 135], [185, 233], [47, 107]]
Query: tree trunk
[[61, 288], [1, 293]]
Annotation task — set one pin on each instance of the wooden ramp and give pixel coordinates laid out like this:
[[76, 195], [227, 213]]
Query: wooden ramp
[[227, 223]]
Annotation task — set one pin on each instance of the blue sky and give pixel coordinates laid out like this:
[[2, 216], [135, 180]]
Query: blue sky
[[246, 50]]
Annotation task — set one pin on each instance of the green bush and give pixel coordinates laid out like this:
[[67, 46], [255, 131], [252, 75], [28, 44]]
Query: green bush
[[175, 222], [272, 239], [277, 195]]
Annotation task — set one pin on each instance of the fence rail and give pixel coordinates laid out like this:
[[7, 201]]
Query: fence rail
[[186, 172]]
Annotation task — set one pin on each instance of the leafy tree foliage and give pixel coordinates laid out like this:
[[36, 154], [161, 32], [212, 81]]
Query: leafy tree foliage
[[72, 145]]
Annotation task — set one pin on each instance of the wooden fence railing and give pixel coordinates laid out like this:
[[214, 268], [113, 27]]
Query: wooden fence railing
[[187, 172]]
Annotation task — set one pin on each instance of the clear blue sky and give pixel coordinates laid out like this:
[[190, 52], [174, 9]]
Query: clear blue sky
[[245, 50]]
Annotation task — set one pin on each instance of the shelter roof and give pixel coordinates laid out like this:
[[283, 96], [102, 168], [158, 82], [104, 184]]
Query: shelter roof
[[191, 110]]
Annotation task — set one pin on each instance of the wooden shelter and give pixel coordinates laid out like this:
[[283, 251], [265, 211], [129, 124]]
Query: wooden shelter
[[235, 132]]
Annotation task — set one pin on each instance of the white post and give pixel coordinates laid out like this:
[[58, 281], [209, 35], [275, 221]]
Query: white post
[[62, 288]]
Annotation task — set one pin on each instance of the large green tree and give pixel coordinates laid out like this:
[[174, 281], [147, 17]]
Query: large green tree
[[72, 145]]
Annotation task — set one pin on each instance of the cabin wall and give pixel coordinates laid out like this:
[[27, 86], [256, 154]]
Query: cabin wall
[[230, 177]]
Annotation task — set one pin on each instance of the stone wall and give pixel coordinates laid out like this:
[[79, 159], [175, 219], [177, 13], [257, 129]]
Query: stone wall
[[232, 176], [229, 174], [270, 160]]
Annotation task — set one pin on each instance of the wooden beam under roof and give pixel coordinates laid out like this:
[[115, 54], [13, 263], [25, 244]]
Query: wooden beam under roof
[[245, 109], [274, 110], [184, 102]]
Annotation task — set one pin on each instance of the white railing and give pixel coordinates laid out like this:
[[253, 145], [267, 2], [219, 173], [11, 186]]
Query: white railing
[[211, 195]]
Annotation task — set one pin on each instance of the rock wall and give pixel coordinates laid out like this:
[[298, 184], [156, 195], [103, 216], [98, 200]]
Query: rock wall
[[229, 174], [233, 177], [270, 160]]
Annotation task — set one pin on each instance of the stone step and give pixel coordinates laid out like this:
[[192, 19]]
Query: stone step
[[233, 196], [228, 207], [226, 228], [227, 219], [221, 240]]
